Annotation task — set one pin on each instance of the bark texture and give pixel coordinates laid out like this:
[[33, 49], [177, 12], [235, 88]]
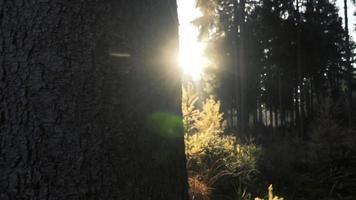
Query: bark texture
[[74, 109]]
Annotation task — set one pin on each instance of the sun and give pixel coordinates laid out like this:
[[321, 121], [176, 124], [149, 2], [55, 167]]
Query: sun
[[192, 60], [191, 51]]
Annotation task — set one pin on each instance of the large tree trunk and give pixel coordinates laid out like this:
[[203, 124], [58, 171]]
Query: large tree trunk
[[81, 83]]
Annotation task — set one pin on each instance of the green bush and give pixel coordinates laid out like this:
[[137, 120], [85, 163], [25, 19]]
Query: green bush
[[214, 158]]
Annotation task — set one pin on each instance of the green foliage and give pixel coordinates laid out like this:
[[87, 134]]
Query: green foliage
[[322, 167], [294, 57], [213, 156], [190, 113], [330, 140], [331, 155]]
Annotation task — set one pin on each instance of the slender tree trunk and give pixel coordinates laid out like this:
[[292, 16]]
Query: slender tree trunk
[[259, 106], [296, 108], [271, 116], [239, 23], [275, 112], [311, 96], [236, 62], [258, 102], [300, 94], [243, 76], [280, 98], [348, 65]]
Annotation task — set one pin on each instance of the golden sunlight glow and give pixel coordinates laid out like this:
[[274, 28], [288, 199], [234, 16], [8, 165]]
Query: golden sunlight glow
[[191, 51]]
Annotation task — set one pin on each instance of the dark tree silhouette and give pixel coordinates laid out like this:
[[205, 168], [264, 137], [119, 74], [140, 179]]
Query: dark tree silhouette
[[79, 82], [277, 59]]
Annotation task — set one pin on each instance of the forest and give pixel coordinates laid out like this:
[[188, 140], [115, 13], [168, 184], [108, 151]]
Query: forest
[[177, 100], [275, 103]]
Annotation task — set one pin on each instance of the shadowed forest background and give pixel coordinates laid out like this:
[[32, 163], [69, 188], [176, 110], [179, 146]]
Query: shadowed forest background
[[275, 103], [94, 105]]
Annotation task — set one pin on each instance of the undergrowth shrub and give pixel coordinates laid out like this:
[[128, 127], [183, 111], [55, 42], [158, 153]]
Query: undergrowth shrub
[[198, 189], [215, 160], [331, 155], [320, 166]]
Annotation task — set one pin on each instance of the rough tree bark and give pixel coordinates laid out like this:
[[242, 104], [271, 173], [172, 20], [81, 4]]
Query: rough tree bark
[[78, 82]]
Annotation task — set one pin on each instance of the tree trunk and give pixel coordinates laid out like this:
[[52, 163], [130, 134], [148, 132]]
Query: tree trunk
[[236, 63], [300, 94], [348, 65], [243, 75], [280, 99], [79, 82]]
